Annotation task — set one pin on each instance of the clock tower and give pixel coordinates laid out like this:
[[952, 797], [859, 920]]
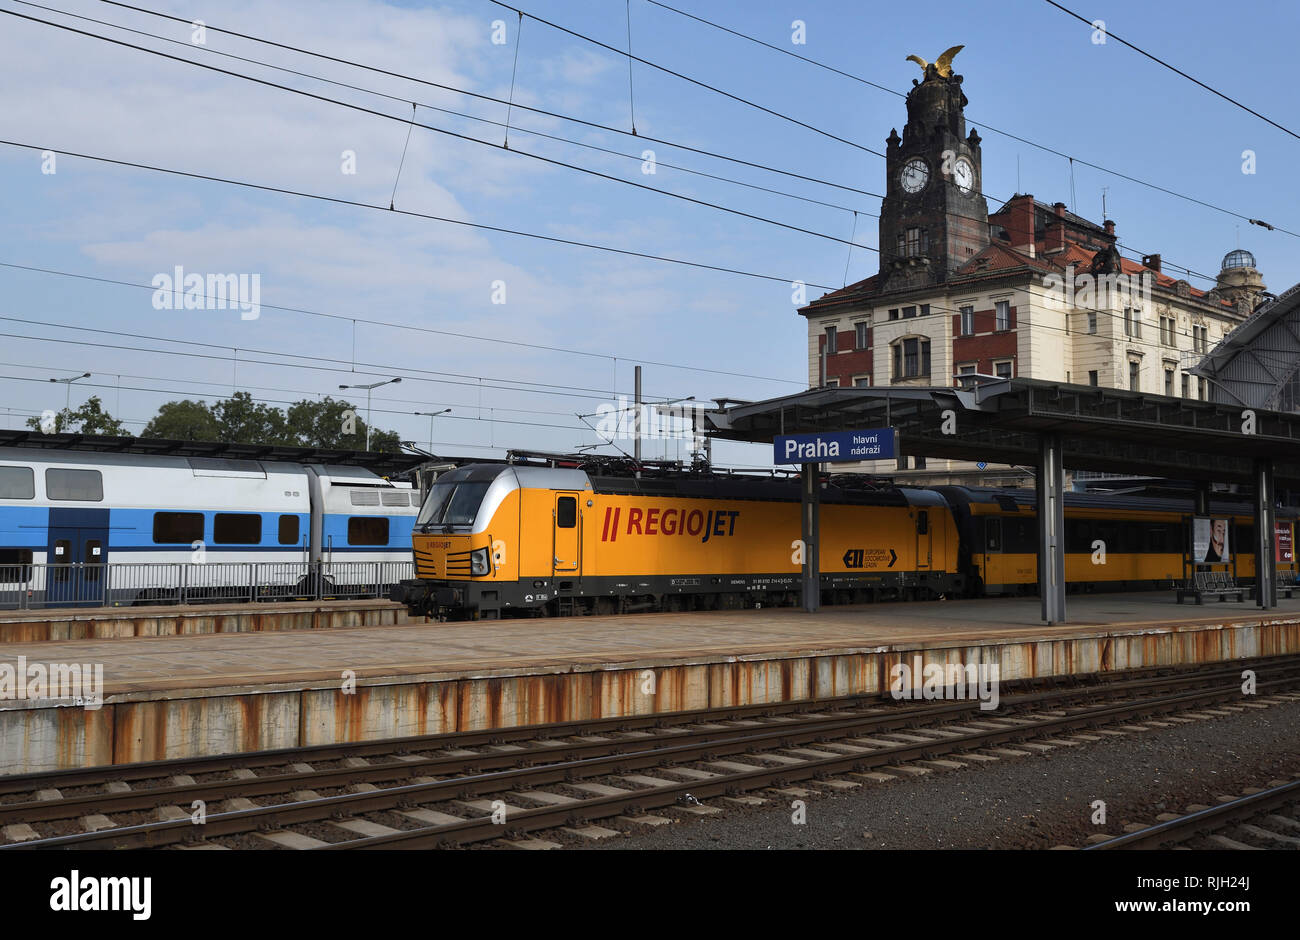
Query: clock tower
[[933, 218]]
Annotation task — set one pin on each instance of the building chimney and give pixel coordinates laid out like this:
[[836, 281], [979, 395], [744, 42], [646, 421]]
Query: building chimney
[[1152, 262], [1054, 236]]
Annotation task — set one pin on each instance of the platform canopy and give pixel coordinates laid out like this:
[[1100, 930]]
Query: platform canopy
[[1001, 421], [1048, 426], [381, 463]]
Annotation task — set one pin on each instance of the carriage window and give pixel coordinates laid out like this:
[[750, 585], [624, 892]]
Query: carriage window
[[15, 565], [289, 530], [566, 512], [237, 528], [17, 483], [177, 528], [994, 535], [922, 522], [74, 484], [368, 530]]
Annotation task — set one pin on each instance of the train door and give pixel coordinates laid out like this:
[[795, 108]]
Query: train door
[[77, 557], [567, 543], [924, 540], [993, 551]]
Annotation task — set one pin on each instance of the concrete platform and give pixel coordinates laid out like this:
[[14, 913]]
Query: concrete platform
[[179, 696], [106, 623]]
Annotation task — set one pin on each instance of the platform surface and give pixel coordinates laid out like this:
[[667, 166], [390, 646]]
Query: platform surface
[[168, 666]]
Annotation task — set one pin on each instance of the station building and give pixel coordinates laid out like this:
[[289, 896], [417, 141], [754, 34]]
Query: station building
[[1028, 290]]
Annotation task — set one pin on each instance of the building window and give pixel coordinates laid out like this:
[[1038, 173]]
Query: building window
[[913, 244], [1133, 322], [1200, 339], [1003, 316], [925, 310], [1092, 322], [1169, 382], [832, 383], [1167, 331], [966, 369], [830, 341], [901, 463], [1204, 387], [968, 321], [862, 381], [863, 335], [1134, 372], [909, 313], [911, 358], [1002, 369], [1092, 377], [1187, 392], [919, 463], [893, 313]]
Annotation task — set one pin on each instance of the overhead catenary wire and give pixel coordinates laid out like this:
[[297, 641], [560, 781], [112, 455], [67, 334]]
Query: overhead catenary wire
[[1177, 71], [472, 94], [439, 130], [1072, 159], [525, 153], [974, 120], [639, 158], [406, 326]]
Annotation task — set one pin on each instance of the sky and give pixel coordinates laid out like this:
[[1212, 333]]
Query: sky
[[517, 336]]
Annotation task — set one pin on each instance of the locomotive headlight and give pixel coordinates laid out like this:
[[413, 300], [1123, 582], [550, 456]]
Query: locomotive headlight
[[480, 562]]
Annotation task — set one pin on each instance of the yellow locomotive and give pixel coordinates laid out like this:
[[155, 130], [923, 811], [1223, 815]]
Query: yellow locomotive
[[498, 540]]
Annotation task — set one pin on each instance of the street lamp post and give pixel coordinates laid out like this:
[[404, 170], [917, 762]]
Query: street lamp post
[[370, 388], [67, 383], [431, 415]]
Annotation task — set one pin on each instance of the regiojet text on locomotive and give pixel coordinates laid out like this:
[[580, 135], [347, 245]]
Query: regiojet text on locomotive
[[693, 522], [937, 681]]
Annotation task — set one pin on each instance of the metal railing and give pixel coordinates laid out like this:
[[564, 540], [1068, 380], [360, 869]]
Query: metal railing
[[34, 586]]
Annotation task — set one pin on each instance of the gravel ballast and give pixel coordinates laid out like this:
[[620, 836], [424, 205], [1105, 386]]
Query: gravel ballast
[[1037, 801]]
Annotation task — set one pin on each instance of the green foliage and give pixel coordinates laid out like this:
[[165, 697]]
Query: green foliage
[[89, 418], [329, 423]]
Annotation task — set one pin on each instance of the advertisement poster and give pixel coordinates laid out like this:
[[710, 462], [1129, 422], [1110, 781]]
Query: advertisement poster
[[1210, 541], [1283, 551]]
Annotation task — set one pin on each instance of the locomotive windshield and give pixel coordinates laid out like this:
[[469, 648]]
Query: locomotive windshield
[[455, 497]]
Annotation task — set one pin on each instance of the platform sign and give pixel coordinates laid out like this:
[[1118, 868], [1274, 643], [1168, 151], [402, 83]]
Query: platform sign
[[1283, 547], [835, 446]]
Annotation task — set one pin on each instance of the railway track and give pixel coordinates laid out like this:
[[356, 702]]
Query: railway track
[[1265, 817], [478, 786]]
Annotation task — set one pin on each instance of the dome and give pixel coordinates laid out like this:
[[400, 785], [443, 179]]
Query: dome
[[1241, 258]]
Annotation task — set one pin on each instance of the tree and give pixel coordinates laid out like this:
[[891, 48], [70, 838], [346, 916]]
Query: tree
[[336, 424], [240, 420], [330, 423], [183, 421], [89, 418]]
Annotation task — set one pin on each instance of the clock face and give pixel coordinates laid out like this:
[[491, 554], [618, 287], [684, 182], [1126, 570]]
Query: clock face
[[964, 175], [914, 175]]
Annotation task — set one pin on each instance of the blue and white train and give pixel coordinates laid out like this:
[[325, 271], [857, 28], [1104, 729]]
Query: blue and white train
[[99, 528]]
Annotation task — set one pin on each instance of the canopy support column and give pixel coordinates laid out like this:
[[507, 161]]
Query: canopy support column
[[1051, 528], [810, 513]]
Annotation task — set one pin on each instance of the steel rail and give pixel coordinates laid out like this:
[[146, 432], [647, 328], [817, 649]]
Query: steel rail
[[474, 829], [803, 731], [1193, 824]]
